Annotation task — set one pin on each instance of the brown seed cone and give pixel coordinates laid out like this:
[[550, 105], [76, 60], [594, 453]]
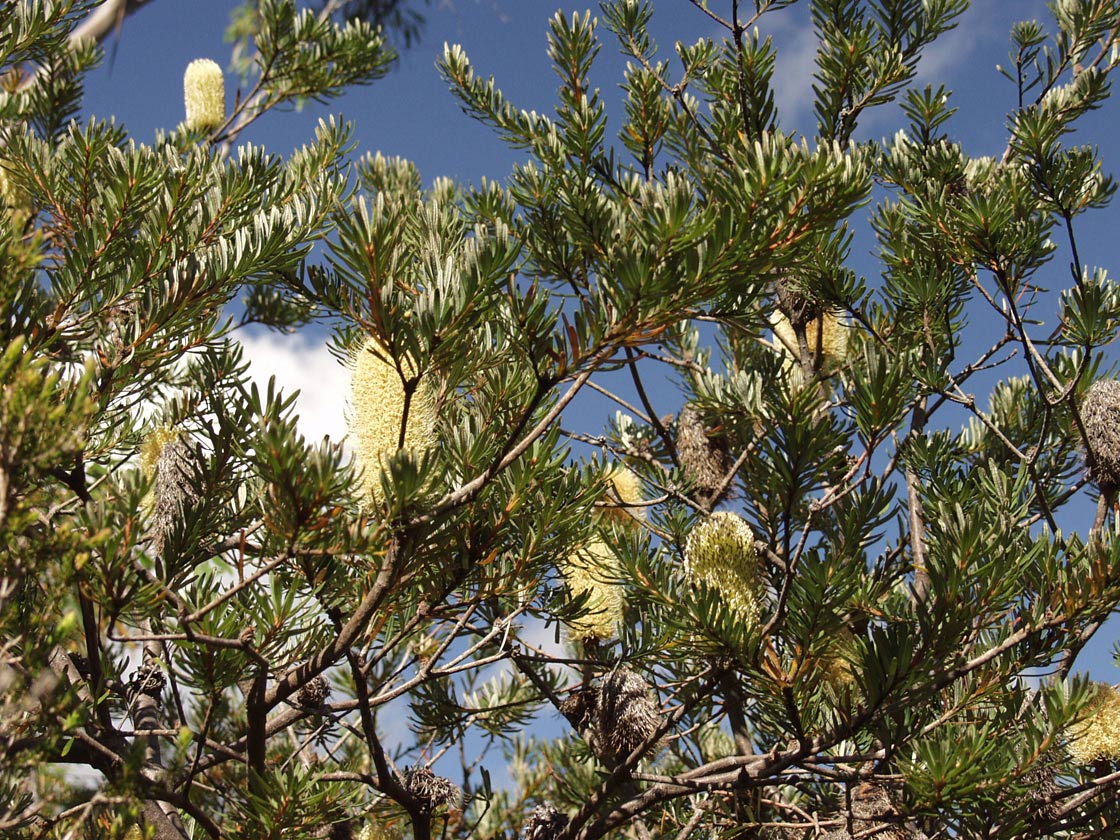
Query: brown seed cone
[[432, 790], [314, 693], [545, 823], [628, 714], [704, 458], [1100, 412], [580, 708]]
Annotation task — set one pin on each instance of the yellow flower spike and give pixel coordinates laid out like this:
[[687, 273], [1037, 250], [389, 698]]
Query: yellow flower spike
[[836, 665], [376, 411], [152, 447], [204, 94], [591, 571], [1096, 735], [827, 334], [720, 553], [166, 457], [625, 497]]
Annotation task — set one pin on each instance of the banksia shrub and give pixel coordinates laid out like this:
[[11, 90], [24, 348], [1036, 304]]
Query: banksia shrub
[[376, 411], [591, 571], [204, 94], [1100, 412], [720, 552], [625, 497], [1096, 734], [703, 457]]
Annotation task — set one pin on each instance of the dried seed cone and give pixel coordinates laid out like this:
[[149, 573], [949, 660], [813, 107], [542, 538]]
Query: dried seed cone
[[1041, 784], [376, 411], [704, 460], [625, 497], [204, 94], [592, 571], [545, 823], [1100, 412], [627, 714], [432, 790], [1097, 734], [874, 814], [314, 693], [720, 552]]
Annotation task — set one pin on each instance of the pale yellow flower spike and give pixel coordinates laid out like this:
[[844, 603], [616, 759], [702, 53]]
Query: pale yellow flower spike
[[829, 333], [590, 571], [153, 445], [375, 411], [625, 502], [204, 93], [720, 553], [1097, 734]]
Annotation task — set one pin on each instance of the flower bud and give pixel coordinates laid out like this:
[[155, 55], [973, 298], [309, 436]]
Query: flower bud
[[204, 93]]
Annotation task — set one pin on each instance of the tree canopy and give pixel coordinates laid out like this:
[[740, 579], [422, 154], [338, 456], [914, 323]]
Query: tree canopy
[[826, 573]]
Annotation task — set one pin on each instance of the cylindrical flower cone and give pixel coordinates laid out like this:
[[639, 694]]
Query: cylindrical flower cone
[[826, 337], [204, 94], [624, 497], [720, 552], [591, 571], [1096, 735], [376, 412]]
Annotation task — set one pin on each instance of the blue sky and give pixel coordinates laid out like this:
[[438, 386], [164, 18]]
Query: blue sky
[[410, 113]]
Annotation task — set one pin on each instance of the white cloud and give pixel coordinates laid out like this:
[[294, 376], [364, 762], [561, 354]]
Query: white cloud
[[303, 363], [796, 43]]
